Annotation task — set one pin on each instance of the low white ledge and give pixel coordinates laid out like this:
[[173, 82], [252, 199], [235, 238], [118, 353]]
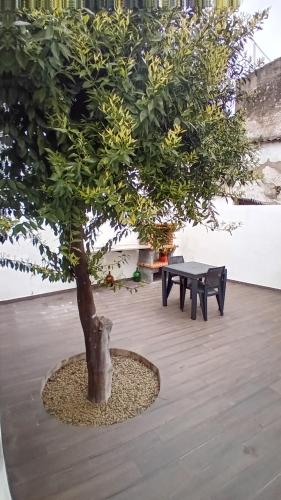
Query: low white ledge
[[4, 486]]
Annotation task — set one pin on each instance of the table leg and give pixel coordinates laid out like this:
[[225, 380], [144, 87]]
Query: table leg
[[223, 288], [164, 287], [194, 287], [169, 285], [182, 292]]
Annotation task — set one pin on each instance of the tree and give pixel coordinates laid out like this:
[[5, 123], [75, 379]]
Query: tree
[[118, 116], [129, 4]]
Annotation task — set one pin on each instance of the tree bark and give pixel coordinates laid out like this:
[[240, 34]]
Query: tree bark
[[96, 332]]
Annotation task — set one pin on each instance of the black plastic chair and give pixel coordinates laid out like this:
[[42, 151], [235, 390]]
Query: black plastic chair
[[175, 259], [174, 279], [213, 285]]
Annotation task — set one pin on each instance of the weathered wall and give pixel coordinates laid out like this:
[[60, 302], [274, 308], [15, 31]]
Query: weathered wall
[[264, 104], [263, 120], [268, 190]]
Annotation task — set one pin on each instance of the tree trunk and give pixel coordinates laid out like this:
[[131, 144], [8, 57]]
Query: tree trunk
[[96, 332]]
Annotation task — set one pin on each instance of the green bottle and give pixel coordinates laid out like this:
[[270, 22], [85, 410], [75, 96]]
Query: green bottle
[[137, 275]]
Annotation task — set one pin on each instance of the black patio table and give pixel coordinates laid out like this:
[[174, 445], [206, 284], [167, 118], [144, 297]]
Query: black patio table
[[192, 270]]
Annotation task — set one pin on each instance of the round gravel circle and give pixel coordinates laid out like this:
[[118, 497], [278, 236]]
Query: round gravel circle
[[134, 388]]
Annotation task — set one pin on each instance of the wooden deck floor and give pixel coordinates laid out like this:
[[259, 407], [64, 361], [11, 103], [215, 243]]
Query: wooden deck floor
[[214, 433]]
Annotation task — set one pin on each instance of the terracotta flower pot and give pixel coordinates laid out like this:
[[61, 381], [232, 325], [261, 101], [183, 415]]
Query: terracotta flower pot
[[163, 258]]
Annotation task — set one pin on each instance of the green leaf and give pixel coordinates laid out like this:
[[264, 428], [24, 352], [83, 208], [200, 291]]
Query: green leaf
[[39, 94], [55, 51], [143, 115]]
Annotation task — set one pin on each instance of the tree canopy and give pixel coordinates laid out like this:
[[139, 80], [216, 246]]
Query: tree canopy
[[95, 5], [120, 116]]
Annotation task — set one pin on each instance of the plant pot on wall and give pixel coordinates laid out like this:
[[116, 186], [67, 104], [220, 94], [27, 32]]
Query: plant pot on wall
[[159, 235], [163, 257]]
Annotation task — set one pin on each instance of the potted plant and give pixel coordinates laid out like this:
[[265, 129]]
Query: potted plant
[[163, 255]]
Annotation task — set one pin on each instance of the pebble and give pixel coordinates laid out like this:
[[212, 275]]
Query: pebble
[[134, 388]]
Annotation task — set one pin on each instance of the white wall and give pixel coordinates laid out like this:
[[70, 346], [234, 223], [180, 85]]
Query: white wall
[[252, 254], [15, 284]]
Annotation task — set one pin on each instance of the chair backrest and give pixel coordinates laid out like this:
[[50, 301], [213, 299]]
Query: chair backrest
[[214, 276], [175, 259]]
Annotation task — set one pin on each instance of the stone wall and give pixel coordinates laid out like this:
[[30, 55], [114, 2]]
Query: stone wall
[[263, 105]]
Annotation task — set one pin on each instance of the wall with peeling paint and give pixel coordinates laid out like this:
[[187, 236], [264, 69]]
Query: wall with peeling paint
[[262, 104], [267, 190]]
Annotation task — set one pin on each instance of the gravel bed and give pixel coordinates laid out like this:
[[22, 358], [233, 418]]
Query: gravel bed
[[134, 388]]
